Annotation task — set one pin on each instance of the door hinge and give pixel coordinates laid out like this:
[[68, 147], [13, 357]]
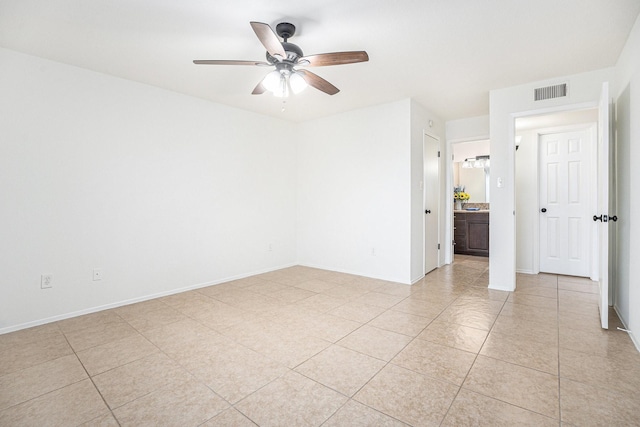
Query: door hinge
[[438, 245], [438, 153]]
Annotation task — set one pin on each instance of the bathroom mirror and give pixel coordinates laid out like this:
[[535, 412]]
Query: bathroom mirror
[[471, 169], [474, 180]]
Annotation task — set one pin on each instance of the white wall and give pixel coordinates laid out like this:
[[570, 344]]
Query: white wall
[[526, 158], [354, 195], [505, 106], [633, 322], [628, 63], [423, 120], [161, 191], [360, 205], [469, 129], [165, 192], [627, 98], [623, 209]]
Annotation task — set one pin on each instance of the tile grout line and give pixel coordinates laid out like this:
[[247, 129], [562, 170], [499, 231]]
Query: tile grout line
[[160, 350], [514, 364], [473, 363], [387, 363], [92, 382]]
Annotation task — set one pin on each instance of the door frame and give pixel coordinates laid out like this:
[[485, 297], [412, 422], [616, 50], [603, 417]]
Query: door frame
[[513, 116], [448, 201], [593, 181], [436, 138]]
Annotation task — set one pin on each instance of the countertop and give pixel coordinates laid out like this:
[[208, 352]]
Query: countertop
[[471, 212]]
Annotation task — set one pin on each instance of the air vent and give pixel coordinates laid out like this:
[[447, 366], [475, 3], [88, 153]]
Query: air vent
[[550, 92]]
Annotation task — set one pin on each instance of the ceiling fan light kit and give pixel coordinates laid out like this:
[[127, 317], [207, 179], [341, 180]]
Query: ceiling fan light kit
[[284, 56], [282, 82]]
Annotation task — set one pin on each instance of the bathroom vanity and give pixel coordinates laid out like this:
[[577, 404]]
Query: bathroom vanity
[[471, 232]]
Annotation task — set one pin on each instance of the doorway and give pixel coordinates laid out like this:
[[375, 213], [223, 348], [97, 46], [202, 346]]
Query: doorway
[[542, 234], [470, 164]]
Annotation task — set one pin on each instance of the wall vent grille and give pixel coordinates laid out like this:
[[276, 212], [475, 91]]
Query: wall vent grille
[[550, 92]]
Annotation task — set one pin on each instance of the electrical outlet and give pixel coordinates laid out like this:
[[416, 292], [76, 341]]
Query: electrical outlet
[[97, 274], [270, 247], [46, 281], [373, 251]]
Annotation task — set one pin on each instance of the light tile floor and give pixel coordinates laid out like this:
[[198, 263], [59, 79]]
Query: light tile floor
[[307, 347]]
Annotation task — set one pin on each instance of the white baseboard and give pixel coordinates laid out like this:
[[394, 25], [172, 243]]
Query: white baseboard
[[499, 288], [634, 340], [90, 310], [356, 273]]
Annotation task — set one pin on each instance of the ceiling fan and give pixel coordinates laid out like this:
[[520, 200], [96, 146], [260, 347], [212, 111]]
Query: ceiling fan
[[285, 57]]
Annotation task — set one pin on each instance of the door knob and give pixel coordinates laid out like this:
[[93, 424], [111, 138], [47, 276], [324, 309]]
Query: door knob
[[597, 218], [543, 210], [427, 211], [613, 218]]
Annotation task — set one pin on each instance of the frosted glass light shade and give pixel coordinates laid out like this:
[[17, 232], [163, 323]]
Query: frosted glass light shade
[[297, 83], [272, 81]]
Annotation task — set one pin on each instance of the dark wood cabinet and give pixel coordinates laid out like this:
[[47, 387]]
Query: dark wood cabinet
[[460, 232], [471, 233]]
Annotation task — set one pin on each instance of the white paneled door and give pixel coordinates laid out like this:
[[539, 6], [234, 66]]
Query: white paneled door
[[565, 202], [431, 202], [603, 205]]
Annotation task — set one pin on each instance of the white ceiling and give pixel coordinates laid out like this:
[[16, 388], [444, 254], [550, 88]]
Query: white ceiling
[[446, 54]]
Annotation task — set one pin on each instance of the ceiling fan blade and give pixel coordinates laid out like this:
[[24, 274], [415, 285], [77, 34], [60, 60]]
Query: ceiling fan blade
[[318, 82], [227, 62], [335, 58], [259, 89], [269, 39]]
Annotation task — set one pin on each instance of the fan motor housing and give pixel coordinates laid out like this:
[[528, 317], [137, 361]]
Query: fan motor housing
[[293, 52], [290, 47]]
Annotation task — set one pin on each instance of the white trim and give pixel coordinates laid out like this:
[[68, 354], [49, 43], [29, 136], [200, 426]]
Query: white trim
[[448, 201], [635, 341], [558, 109], [512, 159], [500, 288], [355, 273]]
